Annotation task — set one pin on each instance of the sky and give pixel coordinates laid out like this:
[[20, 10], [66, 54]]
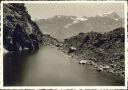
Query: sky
[[46, 10]]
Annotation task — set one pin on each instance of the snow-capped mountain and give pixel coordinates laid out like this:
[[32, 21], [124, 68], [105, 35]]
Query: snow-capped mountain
[[62, 27], [112, 15], [76, 20]]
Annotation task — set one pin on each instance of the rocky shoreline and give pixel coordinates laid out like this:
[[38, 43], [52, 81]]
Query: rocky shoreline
[[102, 51], [100, 67]]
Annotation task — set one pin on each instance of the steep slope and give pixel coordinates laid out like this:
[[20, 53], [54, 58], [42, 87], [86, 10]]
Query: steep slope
[[103, 49], [55, 26], [20, 33], [62, 27]]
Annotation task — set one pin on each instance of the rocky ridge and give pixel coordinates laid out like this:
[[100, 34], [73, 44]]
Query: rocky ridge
[[103, 51]]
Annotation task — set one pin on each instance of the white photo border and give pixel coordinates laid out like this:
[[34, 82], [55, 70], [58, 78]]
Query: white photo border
[[64, 87]]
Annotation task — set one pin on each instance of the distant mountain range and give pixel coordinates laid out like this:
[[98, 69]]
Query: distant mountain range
[[62, 27]]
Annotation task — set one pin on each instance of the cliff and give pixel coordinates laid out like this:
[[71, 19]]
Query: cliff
[[20, 33]]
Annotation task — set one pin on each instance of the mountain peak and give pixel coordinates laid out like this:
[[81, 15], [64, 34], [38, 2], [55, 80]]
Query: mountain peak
[[112, 15]]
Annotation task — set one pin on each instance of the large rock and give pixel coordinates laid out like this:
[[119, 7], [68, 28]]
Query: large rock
[[20, 33]]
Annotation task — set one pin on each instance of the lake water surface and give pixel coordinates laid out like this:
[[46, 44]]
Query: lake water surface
[[51, 67]]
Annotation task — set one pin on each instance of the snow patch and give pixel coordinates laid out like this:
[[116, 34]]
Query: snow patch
[[117, 19], [81, 19], [72, 18], [58, 16], [75, 20], [108, 13], [67, 26]]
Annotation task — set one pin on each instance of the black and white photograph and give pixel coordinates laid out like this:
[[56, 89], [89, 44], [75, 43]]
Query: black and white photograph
[[64, 44]]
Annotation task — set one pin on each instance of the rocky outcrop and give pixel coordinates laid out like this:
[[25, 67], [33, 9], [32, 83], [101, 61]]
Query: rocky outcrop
[[103, 51], [20, 33]]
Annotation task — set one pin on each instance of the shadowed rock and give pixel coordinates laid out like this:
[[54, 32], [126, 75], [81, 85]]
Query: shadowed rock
[[20, 32]]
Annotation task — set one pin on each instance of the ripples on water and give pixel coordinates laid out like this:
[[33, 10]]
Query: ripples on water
[[51, 67]]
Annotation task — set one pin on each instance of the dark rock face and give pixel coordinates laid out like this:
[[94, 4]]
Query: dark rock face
[[20, 33]]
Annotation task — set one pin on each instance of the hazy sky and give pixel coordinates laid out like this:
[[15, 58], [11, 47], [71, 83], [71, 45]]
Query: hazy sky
[[41, 11]]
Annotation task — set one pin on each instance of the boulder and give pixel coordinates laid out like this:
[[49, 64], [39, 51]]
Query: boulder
[[71, 50], [82, 61]]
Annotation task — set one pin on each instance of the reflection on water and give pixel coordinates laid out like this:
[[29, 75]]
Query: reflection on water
[[51, 67], [13, 67]]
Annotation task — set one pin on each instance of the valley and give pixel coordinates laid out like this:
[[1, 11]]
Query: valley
[[62, 50]]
